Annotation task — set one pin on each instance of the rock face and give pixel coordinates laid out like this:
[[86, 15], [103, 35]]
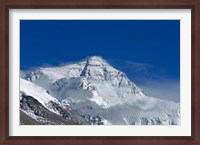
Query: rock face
[[99, 93]]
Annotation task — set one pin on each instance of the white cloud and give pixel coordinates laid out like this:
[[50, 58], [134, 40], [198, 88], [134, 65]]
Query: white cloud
[[163, 89]]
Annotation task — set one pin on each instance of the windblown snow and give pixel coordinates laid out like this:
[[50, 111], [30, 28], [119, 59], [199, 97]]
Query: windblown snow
[[96, 89]]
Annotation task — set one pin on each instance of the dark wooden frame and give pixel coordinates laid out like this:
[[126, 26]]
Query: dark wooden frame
[[99, 4]]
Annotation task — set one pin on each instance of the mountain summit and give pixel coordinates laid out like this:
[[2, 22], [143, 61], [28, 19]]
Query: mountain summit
[[96, 61], [98, 91]]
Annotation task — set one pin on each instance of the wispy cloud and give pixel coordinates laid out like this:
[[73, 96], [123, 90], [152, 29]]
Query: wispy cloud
[[153, 81], [136, 66], [163, 89]]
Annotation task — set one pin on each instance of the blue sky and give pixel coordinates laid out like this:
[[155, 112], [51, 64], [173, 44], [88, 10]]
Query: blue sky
[[148, 51]]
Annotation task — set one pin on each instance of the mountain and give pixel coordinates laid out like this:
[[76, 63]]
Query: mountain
[[98, 93]]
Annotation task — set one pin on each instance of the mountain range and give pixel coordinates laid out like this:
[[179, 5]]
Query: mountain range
[[89, 92]]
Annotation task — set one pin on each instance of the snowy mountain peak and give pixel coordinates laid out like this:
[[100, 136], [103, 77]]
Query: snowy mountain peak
[[96, 58], [96, 61], [95, 67], [93, 87], [95, 70]]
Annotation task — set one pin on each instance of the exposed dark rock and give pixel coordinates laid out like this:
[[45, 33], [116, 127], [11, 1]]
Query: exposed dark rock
[[44, 116]]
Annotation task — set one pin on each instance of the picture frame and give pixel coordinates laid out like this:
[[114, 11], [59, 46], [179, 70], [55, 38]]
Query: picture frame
[[101, 4]]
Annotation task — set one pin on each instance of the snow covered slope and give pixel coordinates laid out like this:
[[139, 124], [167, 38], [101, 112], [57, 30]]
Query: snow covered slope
[[38, 105], [29, 89], [97, 90]]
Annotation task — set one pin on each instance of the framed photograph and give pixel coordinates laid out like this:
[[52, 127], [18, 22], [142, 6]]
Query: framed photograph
[[100, 72]]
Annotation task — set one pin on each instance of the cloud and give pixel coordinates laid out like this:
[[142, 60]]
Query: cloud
[[165, 89], [152, 80], [138, 72], [136, 66]]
